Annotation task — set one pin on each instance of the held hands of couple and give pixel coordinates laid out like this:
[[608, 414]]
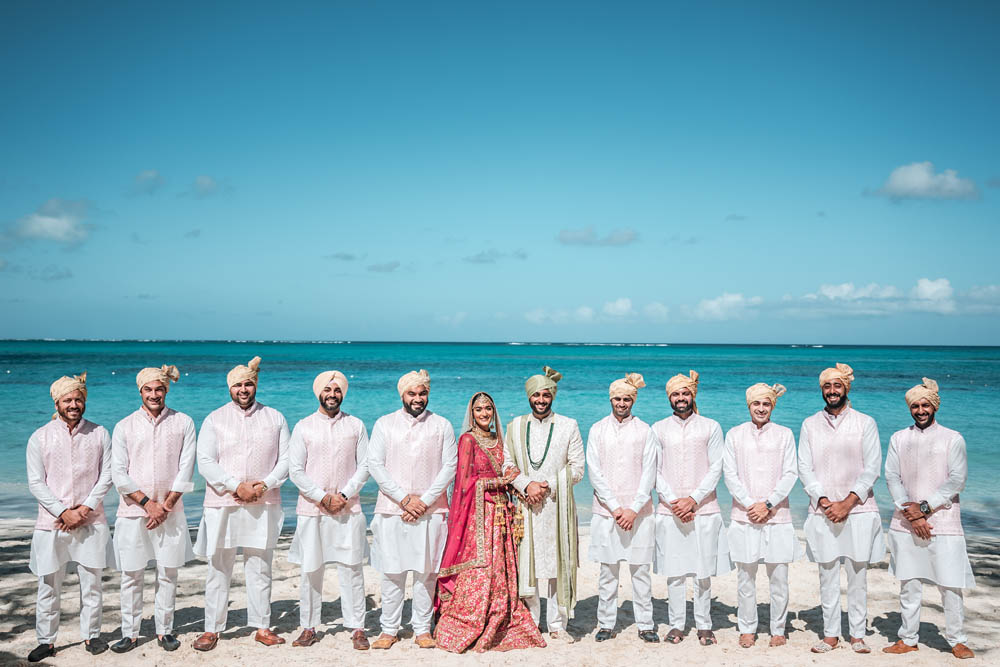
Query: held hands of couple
[[536, 492], [625, 518]]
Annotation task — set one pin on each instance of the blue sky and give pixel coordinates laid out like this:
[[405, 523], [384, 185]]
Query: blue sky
[[584, 171]]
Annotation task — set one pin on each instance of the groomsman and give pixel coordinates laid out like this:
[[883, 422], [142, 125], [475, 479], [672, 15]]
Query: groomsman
[[413, 456], [690, 541], [547, 450], [621, 456], [243, 456], [328, 462], [69, 473], [840, 458], [925, 469], [152, 463], [760, 468]]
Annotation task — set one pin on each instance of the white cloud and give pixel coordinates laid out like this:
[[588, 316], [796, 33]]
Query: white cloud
[[147, 182], [59, 220], [587, 236], [918, 181], [656, 311], [618, 308], [205, 186], [727, 306], [492, 255], [584, 314], [927, 295], [936, 296], [848, 292]]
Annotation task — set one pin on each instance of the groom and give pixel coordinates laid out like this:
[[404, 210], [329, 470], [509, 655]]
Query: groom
[[547, 450]]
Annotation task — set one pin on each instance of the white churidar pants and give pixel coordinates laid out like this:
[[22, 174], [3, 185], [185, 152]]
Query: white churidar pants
[[677, 603], [642, 595], [165, 593], [257, 568], [746, 613], [546, 588], [857, 597], [352, 596], [47, 608], [910, 594], [393, 591]]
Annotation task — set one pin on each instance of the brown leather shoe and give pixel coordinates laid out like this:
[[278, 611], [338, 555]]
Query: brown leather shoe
[[360, 640], [268, 638], [425, 640], [307, 638], [899, 647], [962, 652], [206, 642], [384, 641]]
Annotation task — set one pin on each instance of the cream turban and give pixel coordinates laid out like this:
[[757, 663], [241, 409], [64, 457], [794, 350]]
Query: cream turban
[[330, 377], [540, 382], [627, 386], [760, 391], [165, 374], [928, 389], [414, 379], [241, 373], [841, 372], [66, 385], [680, 381]]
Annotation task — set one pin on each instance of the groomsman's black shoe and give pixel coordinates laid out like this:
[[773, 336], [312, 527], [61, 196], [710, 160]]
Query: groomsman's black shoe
[[168, 642], [41, 652], [649, 636], [124, 645], [603, 635], [96, 646]]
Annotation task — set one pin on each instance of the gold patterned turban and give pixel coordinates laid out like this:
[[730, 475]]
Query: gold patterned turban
[[841, 372], [627, 386], [330, 377], [241, 373], [928, 389], [165, 374], [680, 381], [413, 379], [760, 391], [539, 382]]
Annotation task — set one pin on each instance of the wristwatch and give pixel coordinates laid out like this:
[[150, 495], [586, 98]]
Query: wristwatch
[[768, 505], [145, 499], [925, 507], [342, 495]]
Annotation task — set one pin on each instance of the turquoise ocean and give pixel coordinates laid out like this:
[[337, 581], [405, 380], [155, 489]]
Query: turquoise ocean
[[969, 378]]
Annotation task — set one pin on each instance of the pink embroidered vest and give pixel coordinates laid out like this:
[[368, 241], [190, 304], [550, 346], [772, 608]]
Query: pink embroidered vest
[[248, 449], [619, 449], [760, 455], [838, 456], [154, 453], [684, 458], [923, 467], [72, 467], [413, 450], [331, 458]]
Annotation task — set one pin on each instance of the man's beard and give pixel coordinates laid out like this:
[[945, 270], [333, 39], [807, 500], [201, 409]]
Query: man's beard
[[835, 402]]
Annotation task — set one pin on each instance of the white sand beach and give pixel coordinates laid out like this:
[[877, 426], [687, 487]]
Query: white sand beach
[[17, 606]]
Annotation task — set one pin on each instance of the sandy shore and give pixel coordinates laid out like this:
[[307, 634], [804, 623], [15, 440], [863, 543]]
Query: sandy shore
[[17, 605]]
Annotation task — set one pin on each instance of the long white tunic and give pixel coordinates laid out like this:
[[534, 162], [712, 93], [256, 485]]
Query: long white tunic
[[859, 537], [256, 526], [90, 544], [326, 538], [943, 559], [771, 542], [699, 548], [169, 544], [565, 450], [398, 546], [608, 542]]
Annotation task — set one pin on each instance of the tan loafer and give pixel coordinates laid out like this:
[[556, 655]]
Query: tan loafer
[[384, 642], [268, 638], [899, 647], [307, 638], [962, 652], [425, 641], [206, 642], [359, 640]]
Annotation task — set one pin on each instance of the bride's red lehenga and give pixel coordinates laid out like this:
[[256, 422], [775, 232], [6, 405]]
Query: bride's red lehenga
[[477, 596]]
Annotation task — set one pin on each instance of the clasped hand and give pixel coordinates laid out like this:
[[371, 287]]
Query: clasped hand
[[73, 517], [156, 514], [333, 502], [919, 523], [837, 511], [758, 513], [536, 492], [413, 508], [683, 508], [625, 518], [249, 492]]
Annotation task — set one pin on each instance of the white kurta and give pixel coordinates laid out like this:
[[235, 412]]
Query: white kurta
[[698, 548], [943, 559], [859, 537], [90, 544], [565, 449], [329, 539], [169, 544], [608, 542], [769, 542], [398, 546]]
